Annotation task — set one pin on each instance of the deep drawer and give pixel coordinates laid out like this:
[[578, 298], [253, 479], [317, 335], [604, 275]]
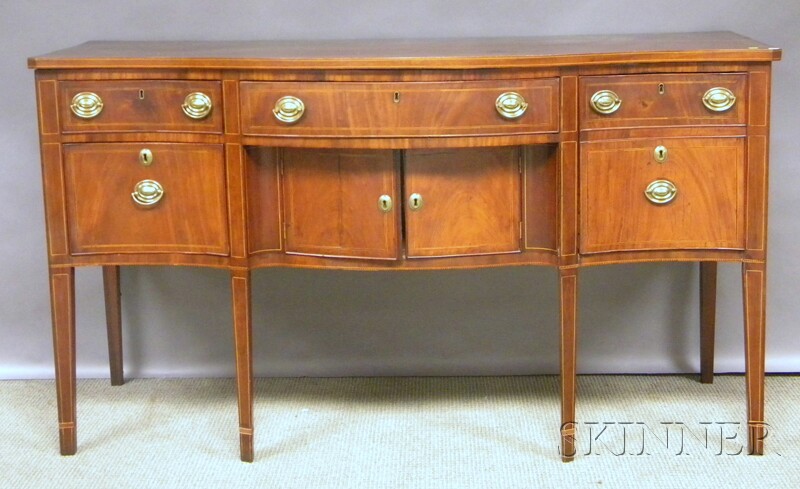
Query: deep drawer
[[694, 199], [663, 100], [116, 204], [140, 105], [330, 109]]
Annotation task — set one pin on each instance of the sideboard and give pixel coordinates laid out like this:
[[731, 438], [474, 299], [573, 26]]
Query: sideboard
[[563, 152]]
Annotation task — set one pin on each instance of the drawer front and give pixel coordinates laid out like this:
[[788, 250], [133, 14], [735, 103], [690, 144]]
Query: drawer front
[[117, 204], [663, 100], [399, 109], [141, 105], [692, 199]]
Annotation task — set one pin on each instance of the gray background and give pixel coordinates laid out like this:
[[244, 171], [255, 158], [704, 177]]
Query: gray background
[[633, 318]]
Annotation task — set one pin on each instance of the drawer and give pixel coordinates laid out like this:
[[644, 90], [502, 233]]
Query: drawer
[[173, 202], [141, 105], [663, 100], [693, 199], [344, 109]]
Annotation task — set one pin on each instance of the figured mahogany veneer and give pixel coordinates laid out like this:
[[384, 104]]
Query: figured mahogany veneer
[[141, 106], [401, 155], [399, 109], [706, 212], [662, 100]]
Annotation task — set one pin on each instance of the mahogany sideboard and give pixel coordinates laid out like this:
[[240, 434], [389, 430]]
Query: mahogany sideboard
[[563, 152]]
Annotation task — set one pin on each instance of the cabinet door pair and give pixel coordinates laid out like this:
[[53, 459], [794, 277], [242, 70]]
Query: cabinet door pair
[[385, 204]]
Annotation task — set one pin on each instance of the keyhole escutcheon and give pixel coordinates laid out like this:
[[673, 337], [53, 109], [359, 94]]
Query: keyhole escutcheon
[[415, 202], [660, 154]]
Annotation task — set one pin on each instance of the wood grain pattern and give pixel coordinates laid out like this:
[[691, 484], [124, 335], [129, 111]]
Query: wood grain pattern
[[508, 52], [399, 109], [707, 212], [471, 202], [331, 206], [540, 194], [142, 105], [264, 207], [191, 217], [680, 104]]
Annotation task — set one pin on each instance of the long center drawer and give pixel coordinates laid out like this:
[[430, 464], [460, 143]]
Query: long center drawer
[[351, 109]]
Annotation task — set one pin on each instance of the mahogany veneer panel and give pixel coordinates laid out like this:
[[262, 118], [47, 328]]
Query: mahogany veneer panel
[[399, 109], [191, 217], [141, 106], [471, 201], [332, 203], [707, 211], [663, 100]]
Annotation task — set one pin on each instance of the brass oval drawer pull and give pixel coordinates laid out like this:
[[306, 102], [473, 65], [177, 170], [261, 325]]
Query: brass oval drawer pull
[[605, 102], [511, 105], [660, 191], [147, 193], [86, 105], [719, 99], [197, 105], [385, 203], [289, 109]]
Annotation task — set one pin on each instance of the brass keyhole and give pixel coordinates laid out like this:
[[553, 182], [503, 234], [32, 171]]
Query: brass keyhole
[[141, 94], [385, 203], [660, 154], [661, 89], [396, 97], [415, 202]]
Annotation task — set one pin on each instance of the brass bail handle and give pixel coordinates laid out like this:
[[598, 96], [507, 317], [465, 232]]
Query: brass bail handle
[[289, 109], [86, 105], [511, 105], [605, 102], [147, 193], [719, 99], [197, 105], [661, 192]]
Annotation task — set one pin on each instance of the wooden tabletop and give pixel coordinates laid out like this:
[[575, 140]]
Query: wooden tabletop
[[411, 53]]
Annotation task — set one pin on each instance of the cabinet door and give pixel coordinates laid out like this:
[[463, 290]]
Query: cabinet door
[[693, 198], [336, 203], [462, 202]]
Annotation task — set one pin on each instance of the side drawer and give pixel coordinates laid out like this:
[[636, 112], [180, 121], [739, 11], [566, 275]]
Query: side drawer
[[663, 100], [350, 109], [694, 199], [117, 204], [140, 105]]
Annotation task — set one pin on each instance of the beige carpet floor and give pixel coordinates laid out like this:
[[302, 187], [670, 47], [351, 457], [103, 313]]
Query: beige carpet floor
[[471, 432]]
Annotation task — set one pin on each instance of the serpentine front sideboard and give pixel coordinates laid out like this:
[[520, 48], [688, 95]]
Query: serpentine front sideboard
[[403, 155]]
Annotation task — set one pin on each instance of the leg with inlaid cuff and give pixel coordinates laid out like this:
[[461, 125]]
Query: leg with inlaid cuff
[[243, 336], [62, 300], [113, 322], [569, 317], [754, 289], [708, 313]]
